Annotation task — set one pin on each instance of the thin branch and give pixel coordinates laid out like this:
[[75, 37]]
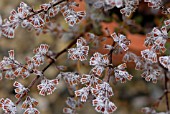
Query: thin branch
[[45, 68]]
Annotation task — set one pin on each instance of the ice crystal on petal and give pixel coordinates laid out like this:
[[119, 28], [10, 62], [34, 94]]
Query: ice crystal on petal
[[47, 86], [80, 52]]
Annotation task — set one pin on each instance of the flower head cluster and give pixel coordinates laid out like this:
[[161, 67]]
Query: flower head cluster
[[71, 78], [83, 93], [90, 80], [99, 61], [149, 55], [102, 104], [121, 40], [71, 16], [151, 71], [121, 74], [8, 106], [80, 52], [20, 89], [165, 61], [9, 65], [47, 86], [31, 19], [29, 106]]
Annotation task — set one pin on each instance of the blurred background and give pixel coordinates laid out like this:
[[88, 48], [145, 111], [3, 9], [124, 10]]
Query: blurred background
[[129, 97]]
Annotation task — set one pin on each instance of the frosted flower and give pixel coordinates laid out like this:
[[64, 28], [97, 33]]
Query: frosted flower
[[29, 103], [103, 105], [90, 80], [129, 57], [71, 78], [121, 74], [103, 89], [31, 111], [47, 86], [122, 41], [8, 106], [80, 52], [165, 61], [83, 93], [20, 89], [167, 22], [149, 55], [151, 72], [36, 21], [99, 62], [157, 39]]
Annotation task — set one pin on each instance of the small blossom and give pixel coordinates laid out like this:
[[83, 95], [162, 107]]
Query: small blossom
[[167, 22], [70, 77], [83, 93], [165, 61], [90, 80], [47, 86], [121, 74], [151, 72], [36, 21], [129, 57], [122, 41], [149, 55], [68, 110], [8, 106], [80, 52], [20, 89], [103, 89], [103, 105], [29, 103], [99, 61]]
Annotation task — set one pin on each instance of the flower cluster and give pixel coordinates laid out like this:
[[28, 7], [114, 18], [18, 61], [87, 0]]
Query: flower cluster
[[99, 62], [156, 41], [47, 86], [29, 106], [165, 61], [148, 110], [71, 78], [102, 104], [20, 89], [30, 19], [83, 93], [121, 74], [80, 52], [90, 80], [71, 16], [13, 68], [8, 106], [121, 40]]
